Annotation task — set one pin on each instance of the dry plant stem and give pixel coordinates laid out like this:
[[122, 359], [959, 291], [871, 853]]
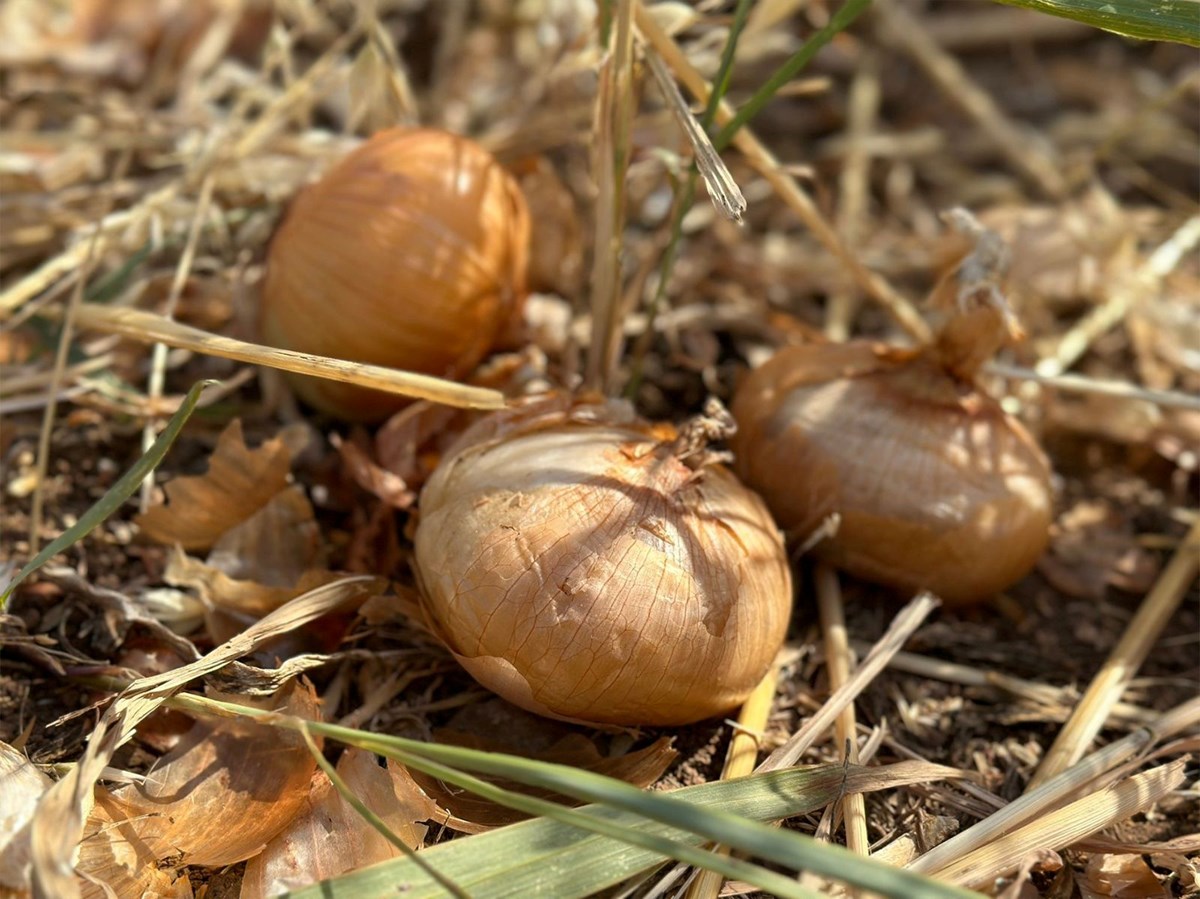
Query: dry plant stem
[[853, 186], [1080, 384], [32, 402], [148, 328], [1140, 635], [1044, 694], [1065, 825], [275, 116], [739, 761], [1058, 788], [614, 118], [722, 189], [66, 262], [43, 277], [1125, 294], [839, 661], [907, 32], [784, 184], [158, 363], [906, 621], [39, 380], [265, 125]]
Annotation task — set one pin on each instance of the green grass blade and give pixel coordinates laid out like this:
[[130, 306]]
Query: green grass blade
[[838, 22], [716, 825], [654, 841], [117, 493], [670, 812], [725, 70], [542, 856], [112, 285], [1152, 20]]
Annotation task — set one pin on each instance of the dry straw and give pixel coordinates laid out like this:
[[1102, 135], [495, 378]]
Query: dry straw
[[149, 328], [784, 184], [739, 761], [839, 661], [1127, 656], [902, 627]]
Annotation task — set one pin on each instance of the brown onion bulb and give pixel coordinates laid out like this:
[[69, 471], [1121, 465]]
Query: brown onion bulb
[[410, 253], [937, 487], [578, 567]]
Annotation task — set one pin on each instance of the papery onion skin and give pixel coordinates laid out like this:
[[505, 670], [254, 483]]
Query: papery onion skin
[[582, 571], [937, 487], [410, 252]]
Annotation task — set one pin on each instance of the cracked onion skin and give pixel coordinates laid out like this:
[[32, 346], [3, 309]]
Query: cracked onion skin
[[937, 487], [578, 568], [411, 252]]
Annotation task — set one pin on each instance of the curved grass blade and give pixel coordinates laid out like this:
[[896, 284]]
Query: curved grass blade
[[760, 840], [734, 869], [541, 855], [1152, 20], [117, 493], [712, 825]]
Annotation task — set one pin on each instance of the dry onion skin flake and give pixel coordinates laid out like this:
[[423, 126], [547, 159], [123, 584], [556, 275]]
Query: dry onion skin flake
[[411, 252], [587, 566]]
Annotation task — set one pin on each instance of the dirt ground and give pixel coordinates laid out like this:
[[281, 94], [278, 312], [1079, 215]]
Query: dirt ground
[[1078, 146]]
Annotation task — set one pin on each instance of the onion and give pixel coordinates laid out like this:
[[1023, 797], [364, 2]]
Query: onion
[[936, 486], [580, 567], [410, 253]]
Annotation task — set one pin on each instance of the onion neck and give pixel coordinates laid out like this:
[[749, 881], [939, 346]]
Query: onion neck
[[969, 339], [979, 321], [691, 445]]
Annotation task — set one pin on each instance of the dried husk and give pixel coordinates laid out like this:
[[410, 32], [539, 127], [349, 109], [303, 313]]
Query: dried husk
[[936, 486], [225, 791], [329, 836], [411, 252], [577, 567], [22, 786]]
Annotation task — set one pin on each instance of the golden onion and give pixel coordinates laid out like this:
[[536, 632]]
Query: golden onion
[[582, 565], [935, 485], [410, 252]]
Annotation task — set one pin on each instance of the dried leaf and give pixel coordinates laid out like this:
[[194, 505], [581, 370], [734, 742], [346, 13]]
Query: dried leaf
[[331, 837], [223, 793], [60, 818], [388, 486], [114, 856], [406, 441], [260, 564], [219, 592], [275, 545], [22, 786], [238, 483], [120, 609], [1122, 877], [1094, 547]]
